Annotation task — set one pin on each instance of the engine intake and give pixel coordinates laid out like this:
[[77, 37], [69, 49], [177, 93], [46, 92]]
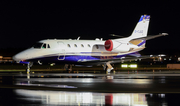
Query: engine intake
[[108, 45], [117, 46]]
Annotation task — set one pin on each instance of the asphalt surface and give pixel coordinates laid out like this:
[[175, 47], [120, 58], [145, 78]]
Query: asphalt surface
[[17, 87], [108, 83]]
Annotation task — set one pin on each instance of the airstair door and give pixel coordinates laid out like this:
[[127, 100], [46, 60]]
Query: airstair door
[[62, 51]]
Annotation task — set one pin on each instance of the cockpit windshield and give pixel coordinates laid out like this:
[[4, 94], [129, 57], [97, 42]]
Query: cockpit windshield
[[41, 45], [38, 45]]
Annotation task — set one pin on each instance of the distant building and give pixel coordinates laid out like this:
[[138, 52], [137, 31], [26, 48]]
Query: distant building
[[173, 66], [5, 59]]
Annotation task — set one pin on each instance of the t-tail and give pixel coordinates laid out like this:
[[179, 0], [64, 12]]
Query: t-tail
[[136, 41], [140, 31], [141, 28]]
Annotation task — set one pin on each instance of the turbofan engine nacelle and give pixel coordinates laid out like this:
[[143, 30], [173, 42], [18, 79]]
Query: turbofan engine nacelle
[[116, 46]]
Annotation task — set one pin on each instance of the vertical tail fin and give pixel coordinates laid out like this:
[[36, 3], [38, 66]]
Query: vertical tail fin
[[141, 27], [140, 31]]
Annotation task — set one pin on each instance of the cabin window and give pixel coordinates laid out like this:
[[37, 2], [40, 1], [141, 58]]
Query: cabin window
[[75, 45], [89, 45], [68, 45], [37, 45], [48, 46], [82, 45]]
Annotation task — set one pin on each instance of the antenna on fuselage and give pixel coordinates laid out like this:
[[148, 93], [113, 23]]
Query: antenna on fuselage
[[78, 38], [116, 35]]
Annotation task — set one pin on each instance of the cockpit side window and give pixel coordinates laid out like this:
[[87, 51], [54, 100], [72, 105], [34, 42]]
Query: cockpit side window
[[38, 45], [44, 46], [41, 45]]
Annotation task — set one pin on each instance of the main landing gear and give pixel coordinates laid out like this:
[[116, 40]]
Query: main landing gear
[[68, 68], [107, 67], [29, 65]]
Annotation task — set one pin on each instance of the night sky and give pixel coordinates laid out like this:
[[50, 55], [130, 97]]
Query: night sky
[[24, 22]]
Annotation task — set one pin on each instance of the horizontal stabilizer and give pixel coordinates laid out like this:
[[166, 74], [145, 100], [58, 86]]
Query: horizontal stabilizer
[[151, 37]]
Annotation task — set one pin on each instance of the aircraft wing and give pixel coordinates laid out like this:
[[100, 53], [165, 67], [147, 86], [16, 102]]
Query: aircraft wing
[[118, 60], [151, 37]]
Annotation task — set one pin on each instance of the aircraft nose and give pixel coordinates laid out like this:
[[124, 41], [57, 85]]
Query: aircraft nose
[[22, 56], [16, 57]]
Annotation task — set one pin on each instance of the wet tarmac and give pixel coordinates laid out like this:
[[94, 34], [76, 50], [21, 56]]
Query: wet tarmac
[[81, 89]]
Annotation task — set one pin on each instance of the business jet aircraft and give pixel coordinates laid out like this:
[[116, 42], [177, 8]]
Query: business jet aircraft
[[89, 52]]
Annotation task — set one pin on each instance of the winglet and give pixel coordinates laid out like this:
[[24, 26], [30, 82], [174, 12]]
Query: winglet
[[164, 34]]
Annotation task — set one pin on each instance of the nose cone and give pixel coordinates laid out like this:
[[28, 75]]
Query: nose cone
[[17, 57], [21, 56], [24, 55]]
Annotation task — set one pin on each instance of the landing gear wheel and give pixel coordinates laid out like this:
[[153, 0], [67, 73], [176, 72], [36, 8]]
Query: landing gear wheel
[[107, 67]]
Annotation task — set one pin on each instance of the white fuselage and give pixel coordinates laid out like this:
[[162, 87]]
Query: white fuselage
[[69, 51]]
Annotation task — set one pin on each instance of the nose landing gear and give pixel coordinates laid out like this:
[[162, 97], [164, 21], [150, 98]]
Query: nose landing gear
[[29, 65]]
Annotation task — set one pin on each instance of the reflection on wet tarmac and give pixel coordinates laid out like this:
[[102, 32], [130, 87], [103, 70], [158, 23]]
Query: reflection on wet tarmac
[[89, 89], [88, 80], [81, 98], [45, 85]]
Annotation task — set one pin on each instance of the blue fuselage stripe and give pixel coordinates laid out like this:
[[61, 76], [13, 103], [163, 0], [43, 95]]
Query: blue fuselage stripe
[[68, 58]]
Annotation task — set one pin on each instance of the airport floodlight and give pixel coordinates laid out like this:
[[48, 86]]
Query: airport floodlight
[[133, 65], [52, 64], [124, 65], [161, 55]]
